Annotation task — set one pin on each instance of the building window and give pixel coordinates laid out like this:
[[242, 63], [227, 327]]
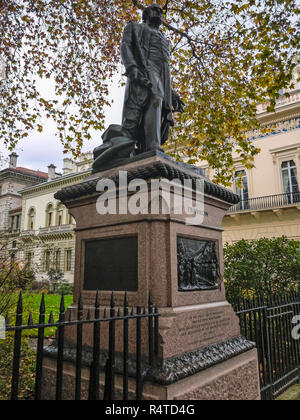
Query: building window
[[60, 217], [29, 260], [49, 216], [17, 222], [290, 181], [243, 193], [47, 264], [57, 260], [68, 260], [12, 223], [14, 244], [31, 219]]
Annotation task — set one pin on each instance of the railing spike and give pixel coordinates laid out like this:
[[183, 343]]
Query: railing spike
[[97, 300], [30, 320], [42, 305], [51, 318], [20, 304], [104, 313], [125, 300], [62, 305], [112, 300], [88, 317], [80, 303]]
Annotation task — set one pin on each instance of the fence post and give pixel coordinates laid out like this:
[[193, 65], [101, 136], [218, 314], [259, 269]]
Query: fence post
[[17, 351], [139, 378], [79, 350], [60, 351], [266, 326], [150, 330], [95, 366], [125, 349], [39, 357], [110, 364]]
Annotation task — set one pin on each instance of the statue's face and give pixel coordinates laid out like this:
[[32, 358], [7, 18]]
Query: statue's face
[[155, 15]]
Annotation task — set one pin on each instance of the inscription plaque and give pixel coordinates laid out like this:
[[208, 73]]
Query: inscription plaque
[[198, 266], [111, 264], [201, 329]]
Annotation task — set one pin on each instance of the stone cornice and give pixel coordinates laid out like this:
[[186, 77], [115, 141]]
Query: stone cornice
[[285, 148], [287, 108], [13, 173], [152, 171], [56, 236], [276, 127], [282, 119], [55, 184], [167, 371], [10, 194]]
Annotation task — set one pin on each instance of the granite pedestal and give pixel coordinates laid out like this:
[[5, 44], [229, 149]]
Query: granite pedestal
[[201, 352]]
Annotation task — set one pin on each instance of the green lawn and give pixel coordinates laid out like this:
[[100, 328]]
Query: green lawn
[[31, 303]]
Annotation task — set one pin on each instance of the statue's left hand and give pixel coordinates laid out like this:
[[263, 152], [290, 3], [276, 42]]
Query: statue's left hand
[[178, 104]]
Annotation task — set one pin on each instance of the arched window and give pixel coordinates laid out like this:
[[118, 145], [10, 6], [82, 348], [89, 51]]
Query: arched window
[[60, 215], [243, 193], [31, 219], [49, 215]]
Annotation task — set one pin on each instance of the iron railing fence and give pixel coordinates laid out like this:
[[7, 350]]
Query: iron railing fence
[[127, 316], [269, 323], [267, 202]]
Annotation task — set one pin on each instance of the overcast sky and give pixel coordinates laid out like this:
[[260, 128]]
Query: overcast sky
[[39, 150]]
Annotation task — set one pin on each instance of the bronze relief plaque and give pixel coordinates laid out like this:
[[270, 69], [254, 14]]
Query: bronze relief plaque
[[198, 265]]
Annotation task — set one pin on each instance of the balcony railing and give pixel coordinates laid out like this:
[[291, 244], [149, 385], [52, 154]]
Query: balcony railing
[[293, 97], [267, 202], [56, 229], [14, 230], [27, 233]]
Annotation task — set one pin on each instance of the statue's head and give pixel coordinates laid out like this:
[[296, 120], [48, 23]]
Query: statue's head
[[153, 14]]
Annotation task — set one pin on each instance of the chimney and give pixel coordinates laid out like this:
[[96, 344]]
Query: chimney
[[68, 166], [51, 172], [13, 158]]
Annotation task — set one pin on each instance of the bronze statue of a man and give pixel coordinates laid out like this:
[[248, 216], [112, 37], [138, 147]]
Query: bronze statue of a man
[[149, 98]]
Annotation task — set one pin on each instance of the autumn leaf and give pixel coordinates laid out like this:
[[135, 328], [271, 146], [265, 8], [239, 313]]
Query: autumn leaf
[[227, 57]]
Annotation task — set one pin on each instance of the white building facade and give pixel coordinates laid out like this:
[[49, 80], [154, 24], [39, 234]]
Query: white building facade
[[47, 229]]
